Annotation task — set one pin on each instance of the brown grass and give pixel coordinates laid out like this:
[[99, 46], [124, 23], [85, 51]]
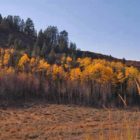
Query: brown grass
[[68, 122]]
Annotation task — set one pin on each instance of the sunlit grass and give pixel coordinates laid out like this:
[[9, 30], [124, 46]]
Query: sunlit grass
[[128, 128]]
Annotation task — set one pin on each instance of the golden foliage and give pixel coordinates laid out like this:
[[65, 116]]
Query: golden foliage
[[98, 72], [86, 69], [23, 61], [75, 74], [68, 59], [43, 65], [132, 72], [6, 58], [57, 72], [84, 62]]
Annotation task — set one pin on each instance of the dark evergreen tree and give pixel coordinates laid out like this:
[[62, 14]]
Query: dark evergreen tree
[[51, 36], [40, 39], [22, 26], [124, 61], [29, 50], [35, 33], [63, 42], [52, 57], [47, 42], [0, 18], [72, 47], [36, 50], [4, 23], [10, 40], [10, 21], [18, 45], [29, 27], [44, 50]]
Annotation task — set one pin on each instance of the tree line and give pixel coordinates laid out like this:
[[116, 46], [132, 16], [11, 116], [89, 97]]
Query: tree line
[[43, 43], [52, 68], [83, 81], [18, 24]]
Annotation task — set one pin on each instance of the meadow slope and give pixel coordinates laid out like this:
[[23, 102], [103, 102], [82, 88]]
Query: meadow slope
[[41, 121]]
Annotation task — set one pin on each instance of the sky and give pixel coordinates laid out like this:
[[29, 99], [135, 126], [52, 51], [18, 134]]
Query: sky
[[110, 27]]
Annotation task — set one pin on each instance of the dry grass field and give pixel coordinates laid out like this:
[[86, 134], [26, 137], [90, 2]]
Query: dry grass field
[[41, 121]]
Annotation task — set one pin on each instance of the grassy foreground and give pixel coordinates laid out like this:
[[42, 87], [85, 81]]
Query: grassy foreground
[[41, 121]]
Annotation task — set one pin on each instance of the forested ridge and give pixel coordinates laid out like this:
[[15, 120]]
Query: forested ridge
[[46, 65]]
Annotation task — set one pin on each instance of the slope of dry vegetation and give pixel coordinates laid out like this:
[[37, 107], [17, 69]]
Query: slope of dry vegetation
[[46, 67], [64, 122]]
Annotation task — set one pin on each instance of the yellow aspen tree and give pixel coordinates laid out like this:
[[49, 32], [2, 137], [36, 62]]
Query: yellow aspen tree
[[23, 62], [68, 59], [84, 62], [6, 58], [98, 72], [57, 72], [43, 65], [10, 70], [75, 74], [68, 63], [33, 64], [2, 52], [131, 72]]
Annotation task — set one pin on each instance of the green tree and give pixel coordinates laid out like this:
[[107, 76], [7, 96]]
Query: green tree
[[22, 26], [0, 18], [29, 27], [36, 50], [44, 50], [10, 21], [63, 42], [52, 57], [72, 46], [4, 23], [16, 22], [51, 36], [40, 39], [18, 45], [10, 40]]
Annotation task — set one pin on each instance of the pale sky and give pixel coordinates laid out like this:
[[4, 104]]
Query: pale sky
[[103, 26]]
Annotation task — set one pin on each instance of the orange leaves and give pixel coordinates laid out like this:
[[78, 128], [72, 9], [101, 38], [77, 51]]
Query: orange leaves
[[33, 61], [5, 55], [57, 72], [98, 72], [23, 61], [43, 65], [75, 74], [6, 58], [39, 65], [83, 69], [132, 72], [102, 73], [84, 62], [82, 78], [121, 77], [117, 66], [68, 59]]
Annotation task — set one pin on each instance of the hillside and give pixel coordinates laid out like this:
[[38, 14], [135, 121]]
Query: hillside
[[5, 34], [69, 70], [46, 65], [20, 34], [29, 41]]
